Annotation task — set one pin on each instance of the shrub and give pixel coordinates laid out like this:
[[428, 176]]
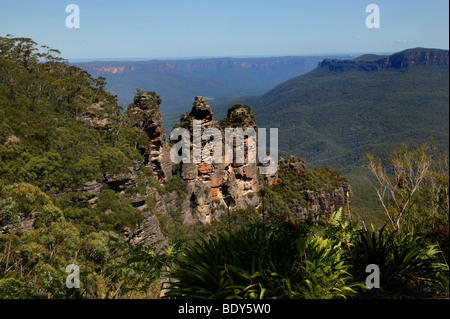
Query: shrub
[[116, 212], [225, 266], [262, 262], [324, 271], [11, 288], [405, 260]]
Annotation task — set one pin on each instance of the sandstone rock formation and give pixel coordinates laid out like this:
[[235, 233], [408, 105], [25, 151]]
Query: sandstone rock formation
[[147, 116], [217, 187]]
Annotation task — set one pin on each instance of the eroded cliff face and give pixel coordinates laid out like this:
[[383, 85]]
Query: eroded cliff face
[[419, 56], [146, 176], [147, 117], [216, 187], [105, 68], [211, 188]]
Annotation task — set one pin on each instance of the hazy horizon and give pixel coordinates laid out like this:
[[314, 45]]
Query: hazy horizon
[[144, 59]]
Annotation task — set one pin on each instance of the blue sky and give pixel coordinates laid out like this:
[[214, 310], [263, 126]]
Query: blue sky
[[205, 28]]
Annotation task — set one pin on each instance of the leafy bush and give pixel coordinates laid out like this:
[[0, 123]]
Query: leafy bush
[[11, 288], [325, 271], [116, 212], [223, 266], [262, 262], [405, 260], [19, 200]]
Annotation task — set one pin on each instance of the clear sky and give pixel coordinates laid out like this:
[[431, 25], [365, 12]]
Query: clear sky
[[201, 28]]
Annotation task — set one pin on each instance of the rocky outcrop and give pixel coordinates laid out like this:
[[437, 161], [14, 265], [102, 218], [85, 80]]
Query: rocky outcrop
[[326, 202], [294, 162], [212, 188], [97, 115], [11, 140], [27, 223], [149, 231], [147, 117], [217, 187], [118, 182], [314, 202], [212, 64]]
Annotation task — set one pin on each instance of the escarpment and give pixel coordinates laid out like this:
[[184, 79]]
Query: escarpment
[[399, 60]]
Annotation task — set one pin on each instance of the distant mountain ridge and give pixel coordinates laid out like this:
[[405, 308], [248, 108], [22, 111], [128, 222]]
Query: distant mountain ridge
[[217, 79], [400, 60], [99, 68]]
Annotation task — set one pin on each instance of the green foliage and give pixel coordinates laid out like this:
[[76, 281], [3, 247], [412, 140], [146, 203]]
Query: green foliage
[[173, 226], [113, 161], [341, 227], [290, 193], [359, 110], [47, 138], [11, 288], [325, 272], [402, 258], [17, 201], [39, 258], [282, 260], [59, 129], [50, 145], [176, 184], [46, 104], [262, 262], [116, 212], [236, 219], [141, 270], [413, 188], [222, 266]]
